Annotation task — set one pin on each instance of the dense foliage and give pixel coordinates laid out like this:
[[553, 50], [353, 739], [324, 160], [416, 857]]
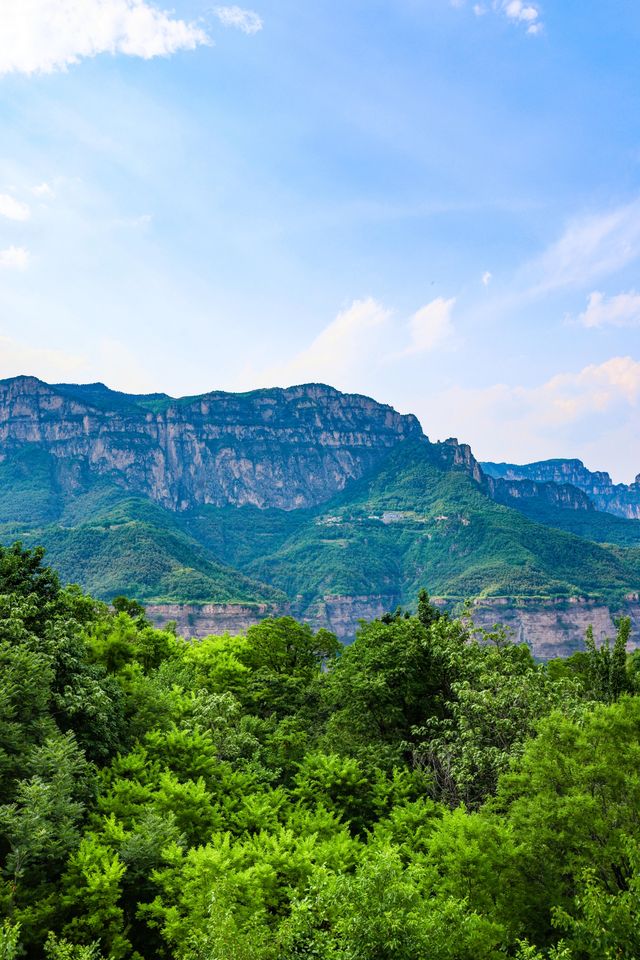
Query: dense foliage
[[424, 793], [412, 519]]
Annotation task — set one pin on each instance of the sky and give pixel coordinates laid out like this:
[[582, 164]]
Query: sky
[[434, 203]]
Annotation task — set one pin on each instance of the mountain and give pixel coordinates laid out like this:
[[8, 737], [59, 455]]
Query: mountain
[[215, 510], [269, 448], [619, 499]]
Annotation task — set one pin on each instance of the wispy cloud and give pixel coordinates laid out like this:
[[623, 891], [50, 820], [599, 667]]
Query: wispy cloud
[[430, 326], [42, 36], [14, 258], [13, 209], [570, 414], [487, 277], [245, 20], [341, 346], [622, 310], [594, 246], [527, 14], [366, 339], [44, 191]]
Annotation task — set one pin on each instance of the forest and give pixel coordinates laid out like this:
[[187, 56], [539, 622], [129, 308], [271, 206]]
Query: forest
[[427, 793]]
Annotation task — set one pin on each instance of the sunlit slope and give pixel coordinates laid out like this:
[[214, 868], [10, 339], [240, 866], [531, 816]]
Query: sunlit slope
[[414, 523]]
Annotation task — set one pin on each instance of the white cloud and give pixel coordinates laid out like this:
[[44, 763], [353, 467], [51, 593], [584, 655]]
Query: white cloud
[[430, 326], [359, 348], [245, 20], [620, 311], [517, 11], [590, 247], [13, 209], [341, 347], [589, 413], [487, 277], [44, 191], [14, 258], [41, 36], [524, 13]]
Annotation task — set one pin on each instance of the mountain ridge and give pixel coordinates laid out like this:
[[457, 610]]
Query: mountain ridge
[[619, 499], [329, 505]]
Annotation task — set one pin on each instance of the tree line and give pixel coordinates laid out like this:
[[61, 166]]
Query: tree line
[[427, 793]]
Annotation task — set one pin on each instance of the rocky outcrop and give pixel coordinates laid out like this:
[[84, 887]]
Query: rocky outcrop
[[341, 615], [622, 500], [284, 448], [556, 628], [550, 628], [197, 620], [562, 495], [452, 455]]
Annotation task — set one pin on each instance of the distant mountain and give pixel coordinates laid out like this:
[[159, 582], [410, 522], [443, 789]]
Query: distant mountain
[[622, 500], [219, 508]]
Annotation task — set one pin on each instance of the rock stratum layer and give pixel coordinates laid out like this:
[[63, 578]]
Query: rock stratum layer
[[550, 628]]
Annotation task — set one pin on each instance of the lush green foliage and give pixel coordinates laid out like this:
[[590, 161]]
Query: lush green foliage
[[419, 794], [412, 520]]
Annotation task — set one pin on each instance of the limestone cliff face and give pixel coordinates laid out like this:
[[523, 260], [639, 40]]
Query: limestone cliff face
[[620, 499], [556, 628], [284, 448], [510, 487], [339, 614], [550, 628]]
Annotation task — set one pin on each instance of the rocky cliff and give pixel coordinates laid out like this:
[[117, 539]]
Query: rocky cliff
[[622, 500], [550, 628], [285, 448], [508, 488]]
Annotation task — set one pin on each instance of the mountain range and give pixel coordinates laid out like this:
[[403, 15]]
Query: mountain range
[[220, 508]]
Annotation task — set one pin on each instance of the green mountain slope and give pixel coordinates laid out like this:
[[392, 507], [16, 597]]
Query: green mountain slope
[[111, 543], [418, 519], [413, 523]]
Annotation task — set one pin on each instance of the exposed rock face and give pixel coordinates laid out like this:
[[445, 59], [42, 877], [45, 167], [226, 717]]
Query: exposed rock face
[[550, 628], [556, 628], [505, 489], [269, 448], [211, 619], [341, 615], [621, 499]]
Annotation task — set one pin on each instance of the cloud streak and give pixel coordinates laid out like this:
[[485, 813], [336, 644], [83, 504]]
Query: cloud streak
[[43, 36], [245, 20], [13, 209], [430, 326], [592, 246], [622, 310], [14, 258]]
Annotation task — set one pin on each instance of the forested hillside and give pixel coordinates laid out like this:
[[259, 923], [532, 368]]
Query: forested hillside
[[424, 793], [285, 498]]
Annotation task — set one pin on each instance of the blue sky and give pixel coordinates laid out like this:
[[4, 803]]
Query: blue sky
[[434, 203]]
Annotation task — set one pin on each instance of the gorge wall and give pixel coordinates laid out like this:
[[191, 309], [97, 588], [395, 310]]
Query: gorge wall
[[285, 448], [550, 628]]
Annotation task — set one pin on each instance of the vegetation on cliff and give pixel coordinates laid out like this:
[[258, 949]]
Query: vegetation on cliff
[[418, 794], [412, 519]]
